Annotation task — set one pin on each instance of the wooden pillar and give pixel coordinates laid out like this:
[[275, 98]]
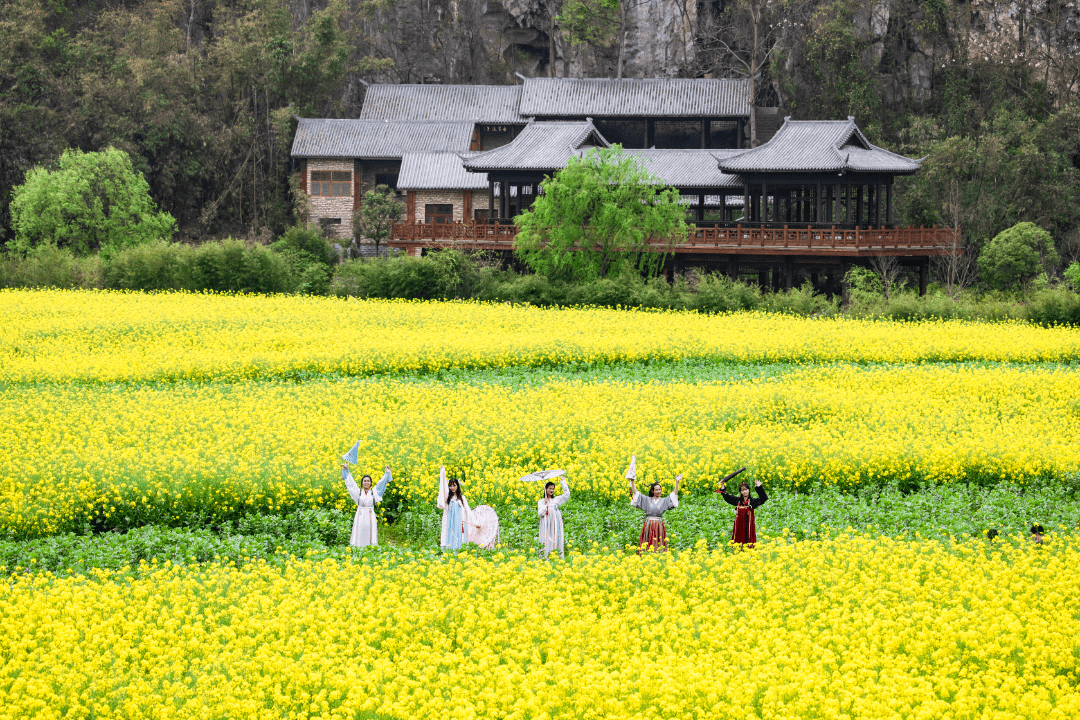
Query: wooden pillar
[[410, 206], [836, 202], [705, 130], [888, 204], [466, 206], [650, 132], [740, 128], [764, 212], [776, 278], [733, 267], [789, 273], [701, 208], [492, 212], [763, 280], [504, 199], [858, 204], [817, 202], [745, 200], [924, 271], [877, 204]]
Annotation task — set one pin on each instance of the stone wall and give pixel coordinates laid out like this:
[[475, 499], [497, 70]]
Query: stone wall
[[335, 214], [448, 197]]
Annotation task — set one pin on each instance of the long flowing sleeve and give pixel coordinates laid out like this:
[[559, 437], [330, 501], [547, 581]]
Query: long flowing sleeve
[[560, 500], [440, 501], [380, 489], [730, 499], [541, 507], [350, 485], [672, 500], [637, 501], [761, 497]]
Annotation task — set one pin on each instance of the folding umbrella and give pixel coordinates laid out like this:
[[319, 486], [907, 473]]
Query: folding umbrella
[[488, 532]]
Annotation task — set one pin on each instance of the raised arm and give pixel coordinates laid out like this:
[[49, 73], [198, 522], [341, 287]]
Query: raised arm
[[565, 494], [761, 496], [380, 489], [440, 502], [350, 484], [729, 499]]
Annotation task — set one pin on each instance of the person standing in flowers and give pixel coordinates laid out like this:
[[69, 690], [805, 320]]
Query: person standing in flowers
[[653, 532], [551, 523], [457, 515], [745, 530], [364, 526]]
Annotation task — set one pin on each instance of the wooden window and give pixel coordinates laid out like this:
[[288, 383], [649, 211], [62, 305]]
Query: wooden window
[[331, 183], [480, 216], [439, 213]]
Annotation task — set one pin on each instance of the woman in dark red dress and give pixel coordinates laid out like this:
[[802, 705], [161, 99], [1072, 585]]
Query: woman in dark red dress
[[745, 531]]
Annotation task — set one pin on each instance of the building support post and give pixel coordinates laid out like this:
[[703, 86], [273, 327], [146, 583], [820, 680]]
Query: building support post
[[706, 133], [466, 206], [410, 205], [492, 212], [733, 267], [763, 280], [789, 273], [701, 208], [888, 205], [740, 128], [745, 201], [924, 271]]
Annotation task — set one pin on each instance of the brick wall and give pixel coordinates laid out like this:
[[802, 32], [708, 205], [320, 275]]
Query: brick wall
[[448, 197], [327, 208]]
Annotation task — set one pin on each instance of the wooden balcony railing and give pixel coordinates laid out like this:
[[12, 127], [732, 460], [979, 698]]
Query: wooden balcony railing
[[739, 239]]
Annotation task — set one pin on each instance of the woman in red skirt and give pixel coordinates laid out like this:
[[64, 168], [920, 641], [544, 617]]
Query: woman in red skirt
[[653, 532], [745, 531]]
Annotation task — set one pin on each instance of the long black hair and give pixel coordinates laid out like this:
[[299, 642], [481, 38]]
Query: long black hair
[[450, 493], [654, 486], [548, 485]]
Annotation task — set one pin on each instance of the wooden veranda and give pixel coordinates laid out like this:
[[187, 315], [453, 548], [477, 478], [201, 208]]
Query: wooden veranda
[[755, 248]]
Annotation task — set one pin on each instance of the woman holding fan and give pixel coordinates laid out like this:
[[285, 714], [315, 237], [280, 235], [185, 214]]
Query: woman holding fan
[[457, 516], [653, 532], [364, 528]]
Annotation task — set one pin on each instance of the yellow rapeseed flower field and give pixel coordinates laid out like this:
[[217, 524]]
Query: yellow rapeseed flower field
[[92, 336], [74, 452], [847, 628]]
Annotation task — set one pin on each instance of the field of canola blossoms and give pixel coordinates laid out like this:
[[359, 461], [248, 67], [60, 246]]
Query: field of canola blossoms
[[118, 409], [852, 627]]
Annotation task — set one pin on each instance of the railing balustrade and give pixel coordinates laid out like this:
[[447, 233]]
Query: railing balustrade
[[718, 239]]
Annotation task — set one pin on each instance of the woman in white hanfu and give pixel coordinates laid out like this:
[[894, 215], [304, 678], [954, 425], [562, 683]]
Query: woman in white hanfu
[[364, 526], [457, 515], [653, 532], [551, 524]]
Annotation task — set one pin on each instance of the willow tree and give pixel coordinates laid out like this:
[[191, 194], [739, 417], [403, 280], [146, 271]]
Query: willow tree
[[600, 215]]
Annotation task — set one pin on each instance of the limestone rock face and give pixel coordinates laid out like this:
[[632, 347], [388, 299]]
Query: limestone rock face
[[905, 43]]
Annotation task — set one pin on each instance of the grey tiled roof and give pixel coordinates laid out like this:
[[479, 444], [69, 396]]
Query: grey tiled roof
[[438, 171], [656, 97], [543, 146], [687, 168], [472, 103], [377, 138], [818, 146]]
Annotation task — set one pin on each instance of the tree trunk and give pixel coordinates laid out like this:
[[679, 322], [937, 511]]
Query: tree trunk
[[551, 44], [622, 38], [753, 85]]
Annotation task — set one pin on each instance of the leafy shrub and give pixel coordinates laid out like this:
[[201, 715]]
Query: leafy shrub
[[225, 266], [1016, 254], [1054, 305], [89, 202], [50, 266], [307, 244]]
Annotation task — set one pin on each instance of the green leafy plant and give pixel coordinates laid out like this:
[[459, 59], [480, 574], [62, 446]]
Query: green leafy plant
[[378, 209], [88, 202], [599, 215], [1016, 254]]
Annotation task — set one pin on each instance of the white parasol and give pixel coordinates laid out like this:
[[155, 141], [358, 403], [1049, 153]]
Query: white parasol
[[542, 475], [488, 532]]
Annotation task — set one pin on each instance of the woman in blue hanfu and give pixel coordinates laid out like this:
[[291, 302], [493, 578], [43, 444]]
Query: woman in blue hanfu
[[364, 526], [457, 520]]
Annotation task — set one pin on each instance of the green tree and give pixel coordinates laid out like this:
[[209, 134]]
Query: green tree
[[600, 215], [378, 208], [90, 201], [1017, 254]]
